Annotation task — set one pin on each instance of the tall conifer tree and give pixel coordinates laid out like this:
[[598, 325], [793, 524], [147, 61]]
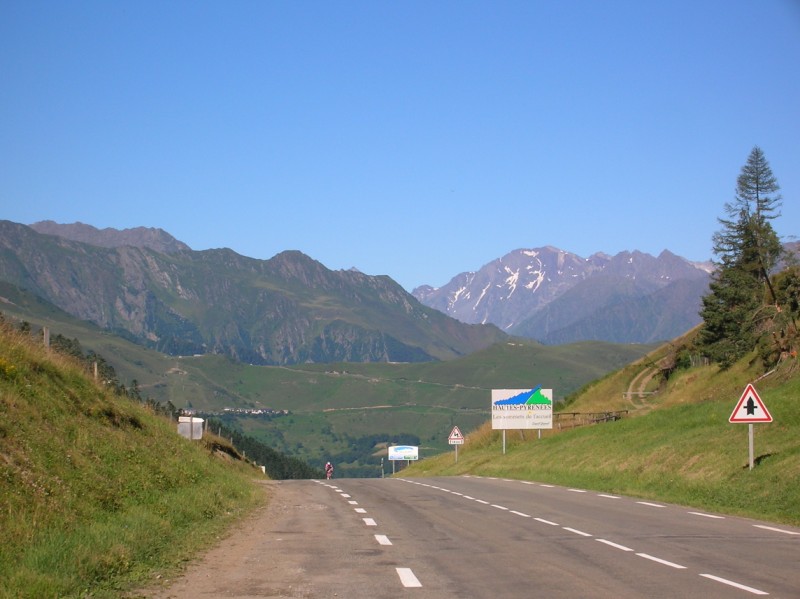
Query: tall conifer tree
[[747, 249]]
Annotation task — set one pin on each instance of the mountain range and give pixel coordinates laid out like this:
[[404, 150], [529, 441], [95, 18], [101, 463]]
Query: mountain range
[[286, 310], [557, 297], [147, 286]]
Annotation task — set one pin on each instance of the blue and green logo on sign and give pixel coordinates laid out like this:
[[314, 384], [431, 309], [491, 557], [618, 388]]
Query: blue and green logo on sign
[[526, 398]]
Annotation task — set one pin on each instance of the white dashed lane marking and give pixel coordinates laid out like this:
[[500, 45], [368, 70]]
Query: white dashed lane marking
[[383, 540], [605, 541], [707, 515], [661, 561], [577, 532], [735, 584], [773, 529], [615, 545], [407, 578]]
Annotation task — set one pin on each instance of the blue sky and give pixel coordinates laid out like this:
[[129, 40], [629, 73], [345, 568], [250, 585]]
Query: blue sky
[[416, 139]]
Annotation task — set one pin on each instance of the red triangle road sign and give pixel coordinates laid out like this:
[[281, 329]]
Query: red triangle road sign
[[750, 408], [456, 438]]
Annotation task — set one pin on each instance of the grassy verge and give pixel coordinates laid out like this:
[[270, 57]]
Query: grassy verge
[[98, 492]]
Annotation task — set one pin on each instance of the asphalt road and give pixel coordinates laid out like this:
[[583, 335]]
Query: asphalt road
[[483, 538]]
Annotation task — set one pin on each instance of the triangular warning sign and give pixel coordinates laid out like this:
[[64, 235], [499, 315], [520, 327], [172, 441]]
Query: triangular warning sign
[[750, 408], [455, 434]]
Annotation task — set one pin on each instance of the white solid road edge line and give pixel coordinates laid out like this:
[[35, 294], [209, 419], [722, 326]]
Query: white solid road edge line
[[407, 578], [735, 584]]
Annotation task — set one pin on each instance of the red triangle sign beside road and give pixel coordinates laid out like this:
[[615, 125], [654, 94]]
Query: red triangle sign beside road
[[750, 408]]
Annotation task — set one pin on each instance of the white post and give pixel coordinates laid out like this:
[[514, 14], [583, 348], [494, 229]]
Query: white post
[[751, 444], [504, 441]]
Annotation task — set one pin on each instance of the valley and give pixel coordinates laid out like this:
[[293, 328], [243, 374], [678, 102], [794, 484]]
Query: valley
[[346, 412]]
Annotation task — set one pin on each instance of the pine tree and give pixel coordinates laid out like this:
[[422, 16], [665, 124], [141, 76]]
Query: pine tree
[[729, 327], [756, 203], [747, 250], [757, 188]]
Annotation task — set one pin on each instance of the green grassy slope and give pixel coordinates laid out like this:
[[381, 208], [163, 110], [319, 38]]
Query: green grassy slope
[[676, 445], [97, 491], [335, 405]]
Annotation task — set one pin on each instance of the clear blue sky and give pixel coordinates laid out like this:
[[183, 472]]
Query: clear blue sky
[[416, 139]]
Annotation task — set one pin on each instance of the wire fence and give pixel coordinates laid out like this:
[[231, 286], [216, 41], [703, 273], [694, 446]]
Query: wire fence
[[567, 420]]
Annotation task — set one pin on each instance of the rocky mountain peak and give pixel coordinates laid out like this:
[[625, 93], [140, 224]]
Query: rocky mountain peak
[[513, 289]]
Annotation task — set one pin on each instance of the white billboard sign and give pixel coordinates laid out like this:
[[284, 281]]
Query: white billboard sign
[[190, 427], [514, 409], [403, 452]]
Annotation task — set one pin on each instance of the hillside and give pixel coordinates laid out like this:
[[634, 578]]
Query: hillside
[[675, 444], [99, 493], [289, 309]]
